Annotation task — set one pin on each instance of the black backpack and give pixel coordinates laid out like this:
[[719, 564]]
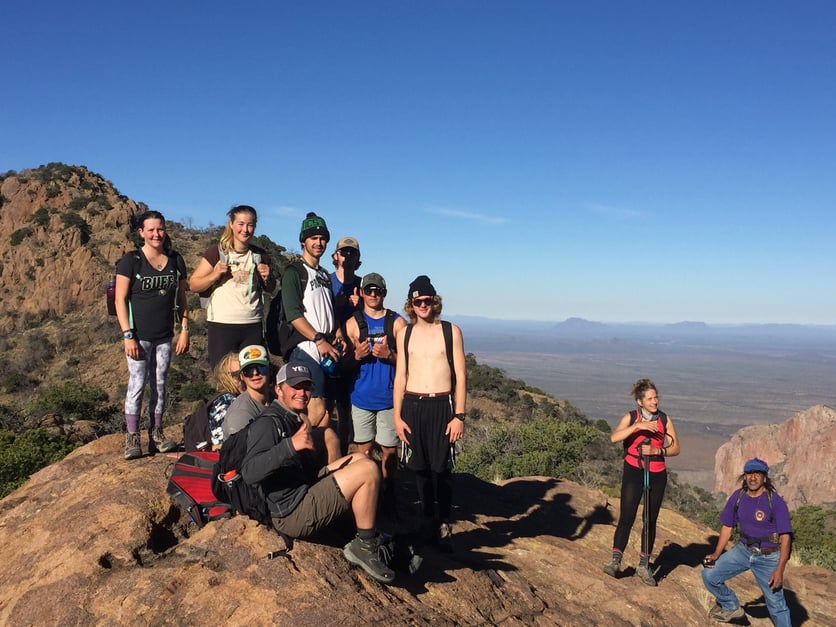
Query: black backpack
[[281, 336], [196, 432], [228, 484], [388, 327]]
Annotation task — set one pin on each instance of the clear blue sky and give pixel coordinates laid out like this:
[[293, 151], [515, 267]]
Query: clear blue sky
[[616, 161]]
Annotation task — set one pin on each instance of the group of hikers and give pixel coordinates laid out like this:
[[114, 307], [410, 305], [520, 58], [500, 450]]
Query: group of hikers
[[347, 361], [384, 382]]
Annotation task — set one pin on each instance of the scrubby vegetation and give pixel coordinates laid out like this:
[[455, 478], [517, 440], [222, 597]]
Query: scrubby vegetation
[[24, 453]]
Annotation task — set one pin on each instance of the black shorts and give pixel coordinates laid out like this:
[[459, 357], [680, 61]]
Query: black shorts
[[427, 418]]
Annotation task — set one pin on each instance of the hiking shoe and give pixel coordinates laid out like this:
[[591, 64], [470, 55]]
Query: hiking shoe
[[371, 557], [725, 616], [612, 568], [133, 448], [645, 575], [444, 540], [158, 443]]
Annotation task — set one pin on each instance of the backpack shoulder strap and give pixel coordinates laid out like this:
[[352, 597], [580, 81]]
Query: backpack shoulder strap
[[389, 329], [407, 333], [362, 325], [447, 331]]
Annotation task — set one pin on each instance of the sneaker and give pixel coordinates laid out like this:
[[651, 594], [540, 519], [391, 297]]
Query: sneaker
[[645, 575], [158, 443], [612, 568], [725, 616], [133, 448], [367, 555]]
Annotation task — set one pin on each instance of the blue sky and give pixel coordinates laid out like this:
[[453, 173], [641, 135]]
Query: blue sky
[[655, 161]]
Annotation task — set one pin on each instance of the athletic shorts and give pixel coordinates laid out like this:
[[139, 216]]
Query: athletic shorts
[[374, 425], [427, 418], [323, 504]]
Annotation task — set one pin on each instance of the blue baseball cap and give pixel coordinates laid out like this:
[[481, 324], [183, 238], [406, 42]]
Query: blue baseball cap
[[756, 465]]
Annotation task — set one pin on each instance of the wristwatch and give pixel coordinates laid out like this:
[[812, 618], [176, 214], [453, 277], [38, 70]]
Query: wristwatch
[[318, 336], [128, 335], [459, 416]]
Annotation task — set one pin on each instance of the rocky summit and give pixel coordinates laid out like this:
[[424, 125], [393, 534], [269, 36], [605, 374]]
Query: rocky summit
[[799, 452], [95, 540]]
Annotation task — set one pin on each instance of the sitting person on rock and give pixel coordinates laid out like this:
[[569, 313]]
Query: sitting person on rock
[[304, 496]]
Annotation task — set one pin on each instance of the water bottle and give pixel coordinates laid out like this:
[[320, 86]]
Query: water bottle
[[328, 364], [111, 296]]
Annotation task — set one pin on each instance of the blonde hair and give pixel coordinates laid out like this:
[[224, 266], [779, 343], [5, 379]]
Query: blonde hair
[[226, 237], [225, 381], [410, 309]]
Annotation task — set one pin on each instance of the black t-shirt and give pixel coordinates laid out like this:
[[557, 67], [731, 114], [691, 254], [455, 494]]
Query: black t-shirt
[[152, 294]]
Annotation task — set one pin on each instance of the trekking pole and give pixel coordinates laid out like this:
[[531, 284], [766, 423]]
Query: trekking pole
[[646, 511]]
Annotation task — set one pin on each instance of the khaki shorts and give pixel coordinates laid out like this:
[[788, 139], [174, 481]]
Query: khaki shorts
[[378, 426], [323, 504]]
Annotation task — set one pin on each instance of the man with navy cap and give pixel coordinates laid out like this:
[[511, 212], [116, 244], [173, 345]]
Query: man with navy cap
[[764, 546]]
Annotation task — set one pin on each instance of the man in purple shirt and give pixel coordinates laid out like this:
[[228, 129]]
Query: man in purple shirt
[[764, 546]]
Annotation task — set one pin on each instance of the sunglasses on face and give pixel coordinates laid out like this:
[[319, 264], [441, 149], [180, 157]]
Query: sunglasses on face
[[251, 371], [374, 289], [422, 302]]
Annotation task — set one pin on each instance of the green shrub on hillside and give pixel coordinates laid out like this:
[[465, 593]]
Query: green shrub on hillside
[[75, 401], [814, 535], [40, 217], [25, 453], [21, 234], [543, 446]]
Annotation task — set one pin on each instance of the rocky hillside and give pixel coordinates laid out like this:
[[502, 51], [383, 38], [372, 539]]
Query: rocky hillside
[[63, 228], [92, 540], [799, 452]]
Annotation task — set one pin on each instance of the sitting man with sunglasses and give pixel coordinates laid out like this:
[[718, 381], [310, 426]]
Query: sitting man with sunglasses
[[429, 403], [303, 495], [373, 375]]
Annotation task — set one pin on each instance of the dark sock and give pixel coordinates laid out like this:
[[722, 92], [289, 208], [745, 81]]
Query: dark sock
[[367, 534]]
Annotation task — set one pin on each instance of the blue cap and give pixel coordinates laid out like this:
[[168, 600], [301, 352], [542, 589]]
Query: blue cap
[[756, 465]]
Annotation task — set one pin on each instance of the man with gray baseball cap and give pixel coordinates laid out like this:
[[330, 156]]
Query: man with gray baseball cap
[[303, 495]]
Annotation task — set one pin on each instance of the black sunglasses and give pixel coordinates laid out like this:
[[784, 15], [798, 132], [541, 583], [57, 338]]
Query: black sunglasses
[[252, 369], [371, 289], [347, 252], [422, 302]]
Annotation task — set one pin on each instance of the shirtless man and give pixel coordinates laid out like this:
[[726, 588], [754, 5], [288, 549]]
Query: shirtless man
[[429, 403]]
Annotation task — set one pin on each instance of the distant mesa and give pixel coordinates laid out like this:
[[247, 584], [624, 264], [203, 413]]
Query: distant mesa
[[579, 324]]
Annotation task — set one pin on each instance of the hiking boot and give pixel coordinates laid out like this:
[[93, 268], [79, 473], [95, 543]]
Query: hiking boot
[[133, 448], [613, 567], [645, 575], [371, 557], [444, 540], [725, 616], [158, 443]]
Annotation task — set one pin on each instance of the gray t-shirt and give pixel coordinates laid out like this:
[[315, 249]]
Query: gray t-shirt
[[241, 413]]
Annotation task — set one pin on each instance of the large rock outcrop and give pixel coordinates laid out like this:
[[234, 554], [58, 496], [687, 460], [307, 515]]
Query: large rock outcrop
[[799, 452], [94, 540]]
